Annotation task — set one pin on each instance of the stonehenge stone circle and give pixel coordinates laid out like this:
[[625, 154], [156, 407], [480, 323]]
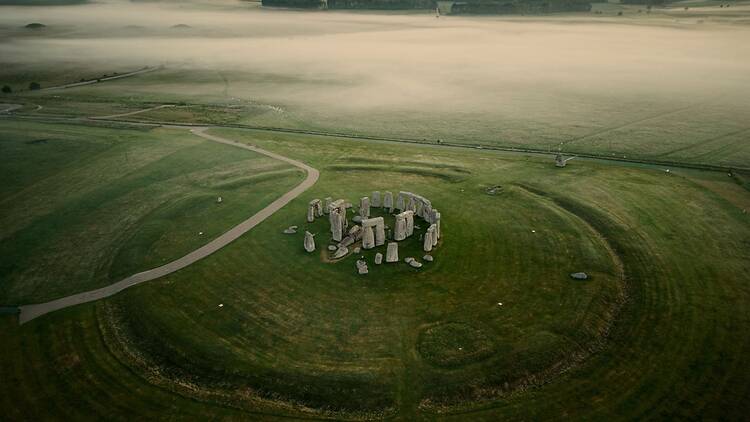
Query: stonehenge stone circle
[[368, 232]]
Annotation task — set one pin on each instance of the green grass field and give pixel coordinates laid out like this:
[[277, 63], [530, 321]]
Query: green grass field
[[299, 336], [494, 329], [94, 205]]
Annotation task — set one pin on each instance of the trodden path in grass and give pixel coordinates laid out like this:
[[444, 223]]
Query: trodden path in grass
[[132, 113], [29, 312]]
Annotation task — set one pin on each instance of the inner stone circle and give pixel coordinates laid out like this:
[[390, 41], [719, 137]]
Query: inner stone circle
[[368, 232]]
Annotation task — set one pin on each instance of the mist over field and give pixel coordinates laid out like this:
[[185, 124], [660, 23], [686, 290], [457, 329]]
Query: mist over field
[[542, 79]]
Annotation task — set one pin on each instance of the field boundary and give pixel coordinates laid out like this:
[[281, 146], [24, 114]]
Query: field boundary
[[415, 141]]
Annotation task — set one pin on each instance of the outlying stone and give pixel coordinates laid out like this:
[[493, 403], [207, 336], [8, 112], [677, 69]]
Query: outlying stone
[[362, 266], [579, 276], [309, 242]]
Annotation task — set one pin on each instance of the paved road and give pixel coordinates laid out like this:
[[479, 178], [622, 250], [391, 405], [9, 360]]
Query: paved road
[[29, 312]]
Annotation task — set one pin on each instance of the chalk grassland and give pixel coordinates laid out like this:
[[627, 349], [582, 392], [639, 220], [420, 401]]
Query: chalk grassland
[[299, 336], [93, 205]]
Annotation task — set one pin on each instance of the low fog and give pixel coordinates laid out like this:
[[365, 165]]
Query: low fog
[[353, 62]]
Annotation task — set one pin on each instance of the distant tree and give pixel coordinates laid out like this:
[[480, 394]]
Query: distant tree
[[6, 89], [34, 86]]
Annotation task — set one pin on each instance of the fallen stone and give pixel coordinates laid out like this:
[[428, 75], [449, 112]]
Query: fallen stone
[[428, 258], [415, 264], [347, 241], [378, 258], [332, 248], [408, 259], [290, 230], [357, 249], [579, 276], [357, 219], [340, 253]]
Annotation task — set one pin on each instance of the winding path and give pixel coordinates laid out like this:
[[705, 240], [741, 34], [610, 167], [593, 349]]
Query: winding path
[[29, 312]]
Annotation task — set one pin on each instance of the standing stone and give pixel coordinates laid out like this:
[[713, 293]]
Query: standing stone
[[434, 236], [376, 199], [391, 254], [380, 233], [364, 207], [309, 242], [379, 229], [388, 201], [327, 207], [368, 238], [409, 222], [314, 209], [337, 225], [378, 258], [411, 204], [400, 202], [427, 212], [436, 222], [399, 232], [428, 239]]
